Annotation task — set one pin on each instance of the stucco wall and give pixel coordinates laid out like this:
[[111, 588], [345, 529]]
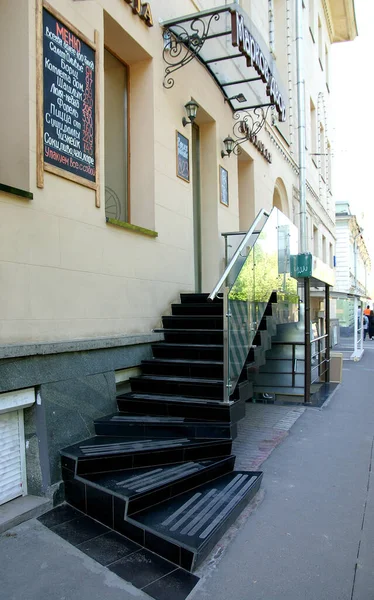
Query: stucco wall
[[67, 274]]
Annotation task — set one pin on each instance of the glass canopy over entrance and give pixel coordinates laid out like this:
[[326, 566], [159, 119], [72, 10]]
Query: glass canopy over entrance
[[231, 48]]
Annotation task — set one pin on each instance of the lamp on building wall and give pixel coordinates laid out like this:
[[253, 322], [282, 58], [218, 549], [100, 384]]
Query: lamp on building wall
[[191, 110], [229, 144]]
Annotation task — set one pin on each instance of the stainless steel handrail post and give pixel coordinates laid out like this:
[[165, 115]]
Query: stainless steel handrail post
[[226, 358]]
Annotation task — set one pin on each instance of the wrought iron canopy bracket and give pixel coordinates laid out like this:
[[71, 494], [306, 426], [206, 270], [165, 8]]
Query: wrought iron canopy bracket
[[248, 124], [181, 45]]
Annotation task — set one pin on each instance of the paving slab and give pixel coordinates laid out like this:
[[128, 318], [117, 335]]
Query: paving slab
[[21, 509], [36, 564]]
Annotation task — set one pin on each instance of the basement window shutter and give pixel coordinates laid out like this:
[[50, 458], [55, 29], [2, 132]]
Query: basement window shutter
[[10, 457]]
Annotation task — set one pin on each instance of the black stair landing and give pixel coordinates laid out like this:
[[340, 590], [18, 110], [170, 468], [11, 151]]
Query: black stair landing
[[139, 489], [102, 454], [186, 528], [151, 426]]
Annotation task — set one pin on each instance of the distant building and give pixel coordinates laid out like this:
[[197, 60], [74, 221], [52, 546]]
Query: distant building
[[353, 265]]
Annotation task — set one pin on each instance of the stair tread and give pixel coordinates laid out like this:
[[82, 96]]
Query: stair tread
[[192, 519], [136, 482], [181, 361], [278, 389], [112, 445], [121, 417], [185, 330], [193, 317], [187, 345], [195, 303], [198, 380], [173, 398]]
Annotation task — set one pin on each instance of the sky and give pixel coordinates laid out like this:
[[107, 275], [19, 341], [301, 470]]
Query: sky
[[352, 90]]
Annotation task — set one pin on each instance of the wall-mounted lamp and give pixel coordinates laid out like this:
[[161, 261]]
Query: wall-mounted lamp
[[191, 110], [229, 144]]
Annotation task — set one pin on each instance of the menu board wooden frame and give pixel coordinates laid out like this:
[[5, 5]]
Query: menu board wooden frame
[[41, 165]]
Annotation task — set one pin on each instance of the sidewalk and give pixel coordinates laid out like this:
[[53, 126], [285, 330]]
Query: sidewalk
[[310, 534], [312, 538]]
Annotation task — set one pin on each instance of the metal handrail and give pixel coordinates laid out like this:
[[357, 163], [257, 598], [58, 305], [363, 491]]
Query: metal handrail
[[227, 233], [213, 294]]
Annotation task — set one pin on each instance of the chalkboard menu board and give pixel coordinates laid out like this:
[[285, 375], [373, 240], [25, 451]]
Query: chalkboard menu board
[[183, 157], [68, 100]]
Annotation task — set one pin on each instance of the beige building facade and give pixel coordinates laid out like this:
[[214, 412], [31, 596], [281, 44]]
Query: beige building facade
[[96, 244]]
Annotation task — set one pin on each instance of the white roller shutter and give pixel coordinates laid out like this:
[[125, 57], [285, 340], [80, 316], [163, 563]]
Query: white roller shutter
[[11, 458]]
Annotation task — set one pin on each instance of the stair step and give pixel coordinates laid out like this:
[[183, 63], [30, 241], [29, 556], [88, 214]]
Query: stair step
[[193, 322], [108, 453], [151, 426], [282, 351], [181, 386], [183, 368], [192, 336], [188, 351], [142, 488], [278, 380], [184, 529], [291, 391], [276, 365], [198, 408], [207, 336], [190, 308], [199, 298]]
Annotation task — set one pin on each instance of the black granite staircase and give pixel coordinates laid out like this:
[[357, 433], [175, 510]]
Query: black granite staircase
[[160, 471]]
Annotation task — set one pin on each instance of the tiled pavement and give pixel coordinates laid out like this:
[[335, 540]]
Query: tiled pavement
[[262, 429]]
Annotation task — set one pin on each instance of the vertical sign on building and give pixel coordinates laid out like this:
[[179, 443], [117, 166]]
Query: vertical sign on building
[[67, 123]]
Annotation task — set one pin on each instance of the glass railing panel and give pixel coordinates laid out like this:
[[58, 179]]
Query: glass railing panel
[[232, 242], [266, 269]]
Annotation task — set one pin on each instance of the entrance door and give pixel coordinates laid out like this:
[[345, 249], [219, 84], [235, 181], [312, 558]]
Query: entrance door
[[196, 191]]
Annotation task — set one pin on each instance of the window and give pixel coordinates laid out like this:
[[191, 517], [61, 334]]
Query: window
[[320, 44], [329, 183], [307, 226], [311, 18], [327, 69], [324, 257], [322, 151], [116, 137], [331, 255], [313, 131], [315, 241]]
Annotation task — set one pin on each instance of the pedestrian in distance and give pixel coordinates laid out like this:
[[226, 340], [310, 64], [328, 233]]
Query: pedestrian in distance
[[367, 310], [365, 325], [371, 325]]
